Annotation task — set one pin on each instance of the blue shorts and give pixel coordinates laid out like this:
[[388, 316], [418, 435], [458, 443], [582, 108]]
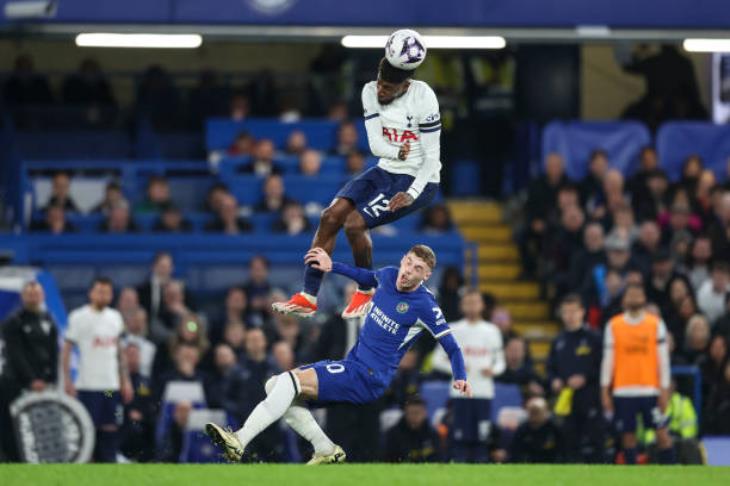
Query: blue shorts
[[105, 408], [471, 419], [628, 409], [347, 381], [371, 191]]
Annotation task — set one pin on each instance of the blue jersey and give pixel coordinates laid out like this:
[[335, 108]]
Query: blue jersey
[[394, 321]]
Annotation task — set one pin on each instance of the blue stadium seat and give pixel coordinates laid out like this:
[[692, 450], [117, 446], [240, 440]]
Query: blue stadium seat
[[245, 188], [220, 132], [576, 140], [678, 140], [79, 145], [505, 395], [436, 395], [320, 189]]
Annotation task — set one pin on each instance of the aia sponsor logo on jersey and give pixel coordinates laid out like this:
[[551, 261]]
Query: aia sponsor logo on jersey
[[394, 135], [105, 341]]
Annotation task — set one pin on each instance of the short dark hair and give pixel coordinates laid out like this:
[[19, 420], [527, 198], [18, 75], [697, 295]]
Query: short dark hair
[[634, 286], [161, 254], [414, 400], [572, 299], [721, 266], [425, 253], [101, 281], [391, 74], [260, 258]]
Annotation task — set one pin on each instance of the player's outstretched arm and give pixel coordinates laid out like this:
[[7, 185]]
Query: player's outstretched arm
[[458, 369], [320, 260]]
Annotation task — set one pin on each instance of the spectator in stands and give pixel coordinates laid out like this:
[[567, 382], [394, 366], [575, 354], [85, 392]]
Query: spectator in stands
[[338, 335], [721, 327], [702, 198], [562, 243], [697, 339], [518, 371], [189, 331], [449, 296], [310, 162], [209, 98], [244, 389], [648, 162], [288, 329], [136, 331], [262, 163], [158, 196], [712, 293], [102, 381], [30, 338], [647, 244], [274, 197], [651, 204], [573, 370], [679, 290], [538, 440], [717, 420], [113, 195], [128, 303], [292, 220], [624, 224], [55, 222], [720, 231], [234, 310], [355, 162], [151, 291], [296, 143], [234, 335], [347, 138], [174, 309], [171, 220], [678, 222], [137, 435], [224, 360], [240, 107], [258, 290], [283, 355], [158, 99], [119, 220], [662, 273], [541, 197], [242, 146], [215, 197], [337, 111], [61, 192], [228, 220], [692, 167], [88, 87], [412, 439], [606, 204], [170, 445], [24, 86], [436, 219], [592, 253], [713, 364], [591, 187]]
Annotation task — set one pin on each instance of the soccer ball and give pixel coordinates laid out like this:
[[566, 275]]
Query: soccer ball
[[405, 49]]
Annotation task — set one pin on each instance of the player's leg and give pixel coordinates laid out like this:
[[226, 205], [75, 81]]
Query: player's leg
[[664, 442], [358, 235], [304, 304], [108, 431], [626, 409]]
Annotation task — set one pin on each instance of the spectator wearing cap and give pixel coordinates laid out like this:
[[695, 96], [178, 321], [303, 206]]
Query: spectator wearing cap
[[157, 198], [171, 220], [712, 293]]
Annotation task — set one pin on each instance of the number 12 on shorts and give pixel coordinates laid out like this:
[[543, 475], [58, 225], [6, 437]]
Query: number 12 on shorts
[[377, 206]]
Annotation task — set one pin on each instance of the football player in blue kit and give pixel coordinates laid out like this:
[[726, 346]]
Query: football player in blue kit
[[402, 307]]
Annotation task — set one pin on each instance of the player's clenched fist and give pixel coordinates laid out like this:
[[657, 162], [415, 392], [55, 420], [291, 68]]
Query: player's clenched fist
[[405, 149], [318, 259], [464, 387]]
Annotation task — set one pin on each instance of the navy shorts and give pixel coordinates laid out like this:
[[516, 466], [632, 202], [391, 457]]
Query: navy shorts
[[347, 381], [471, 419], [105, 408], [372, 190], [628, 409]]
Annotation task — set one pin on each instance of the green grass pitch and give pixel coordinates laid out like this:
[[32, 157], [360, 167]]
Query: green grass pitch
[[356, 474]]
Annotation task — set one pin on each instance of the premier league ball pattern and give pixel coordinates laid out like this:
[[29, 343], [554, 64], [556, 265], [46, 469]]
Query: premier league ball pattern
[[405, 49]]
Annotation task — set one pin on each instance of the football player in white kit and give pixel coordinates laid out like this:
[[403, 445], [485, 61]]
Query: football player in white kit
[[403, 126], [102, 382], [481, 345]]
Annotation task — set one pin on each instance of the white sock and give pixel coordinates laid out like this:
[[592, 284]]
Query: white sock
[[302, 421], [280, 398]]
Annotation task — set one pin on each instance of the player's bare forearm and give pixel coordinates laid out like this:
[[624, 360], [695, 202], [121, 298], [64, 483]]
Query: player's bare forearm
[[400, 200]]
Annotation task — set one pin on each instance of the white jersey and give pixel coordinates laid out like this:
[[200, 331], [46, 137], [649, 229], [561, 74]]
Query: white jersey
[[96, 334], [413, 117], [481, 345]]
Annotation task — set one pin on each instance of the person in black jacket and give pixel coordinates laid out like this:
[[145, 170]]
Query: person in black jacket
[[575, 362], [138, 429], [537, 440], [31, 350], [412, 439]]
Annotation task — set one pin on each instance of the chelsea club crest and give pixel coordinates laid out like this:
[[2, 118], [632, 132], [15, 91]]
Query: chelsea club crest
[[402, 307]]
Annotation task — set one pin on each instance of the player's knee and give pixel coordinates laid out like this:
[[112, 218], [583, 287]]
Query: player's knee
[[332, 217], [355, 224]]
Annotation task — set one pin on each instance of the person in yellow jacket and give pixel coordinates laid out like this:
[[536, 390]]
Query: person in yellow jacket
[[635, 374]]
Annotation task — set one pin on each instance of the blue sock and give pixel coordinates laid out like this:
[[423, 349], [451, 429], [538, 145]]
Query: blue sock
[[630, 455], [666, 456], [312, 280]]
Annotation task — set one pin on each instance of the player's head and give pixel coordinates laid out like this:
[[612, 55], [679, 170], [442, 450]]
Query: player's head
[[415, 267], [572, 312], [634, 298], [101, 293], [32, 296], [392, 82], [415, 413], [472, 305]]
